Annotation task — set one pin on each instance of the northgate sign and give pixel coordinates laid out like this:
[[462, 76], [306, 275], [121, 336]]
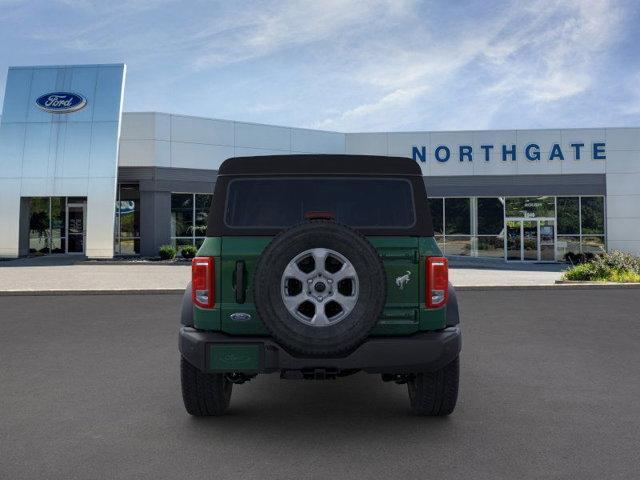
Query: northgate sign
[[531, 152]]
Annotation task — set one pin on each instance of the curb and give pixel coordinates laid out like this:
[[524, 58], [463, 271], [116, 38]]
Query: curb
[[551, 286], [157, 291], [581, 282], [182, 263], [459, 288]]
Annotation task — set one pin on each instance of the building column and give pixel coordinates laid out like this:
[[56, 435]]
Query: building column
[[9, 217], [25, 218], [155, 221]]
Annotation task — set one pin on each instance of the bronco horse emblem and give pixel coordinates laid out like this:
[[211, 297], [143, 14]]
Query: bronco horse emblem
[[402, 280]]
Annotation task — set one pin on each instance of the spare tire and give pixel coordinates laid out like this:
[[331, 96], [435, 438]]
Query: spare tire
[[319, 287]]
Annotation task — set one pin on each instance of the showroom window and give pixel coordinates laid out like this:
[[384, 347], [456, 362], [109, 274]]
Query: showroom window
[[568, 225], [189, 213], [474, 226], [451, 219], [592, 220], [57, 225], [490, 226], [127, 226], [47, 225], [436, 205], [457, 226], [580, 225], [530, 207]]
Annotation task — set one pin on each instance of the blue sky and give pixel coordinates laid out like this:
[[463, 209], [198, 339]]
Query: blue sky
[[370, 65]]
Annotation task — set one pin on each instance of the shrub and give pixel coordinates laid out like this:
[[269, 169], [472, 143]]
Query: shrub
[[167, 252], [615, 266], [617, 260], [188, 251], [578, 258], [583, 271]]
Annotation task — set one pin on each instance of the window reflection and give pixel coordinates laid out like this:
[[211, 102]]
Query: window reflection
[[457, 216], [568, 215], [592, 214], [127, 220], [480, 231], [189, 212], [436, 207]]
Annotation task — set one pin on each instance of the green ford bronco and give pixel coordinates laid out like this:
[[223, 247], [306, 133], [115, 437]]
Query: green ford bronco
[[319, 266]]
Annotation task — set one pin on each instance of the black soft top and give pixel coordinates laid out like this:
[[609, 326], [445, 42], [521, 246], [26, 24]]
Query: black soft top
[[320, 165], [324, 165]]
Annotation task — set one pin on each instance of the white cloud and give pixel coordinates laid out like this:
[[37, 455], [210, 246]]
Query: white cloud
[[283, 25], [538, 54], [351, 64]]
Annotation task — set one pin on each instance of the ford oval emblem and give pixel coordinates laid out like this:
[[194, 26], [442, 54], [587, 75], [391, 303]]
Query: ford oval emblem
[[61, 102], [240, 317]]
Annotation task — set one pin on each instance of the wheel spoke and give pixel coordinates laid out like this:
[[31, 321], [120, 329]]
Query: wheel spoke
[[347, 302], [320, 318], [319, 257], [293, 302], [293, 271], [347, 271]]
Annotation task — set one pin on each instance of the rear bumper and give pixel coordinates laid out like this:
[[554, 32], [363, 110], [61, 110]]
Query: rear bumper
[[420, 352]]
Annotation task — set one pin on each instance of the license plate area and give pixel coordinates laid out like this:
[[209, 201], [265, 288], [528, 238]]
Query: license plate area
[[244, 357]]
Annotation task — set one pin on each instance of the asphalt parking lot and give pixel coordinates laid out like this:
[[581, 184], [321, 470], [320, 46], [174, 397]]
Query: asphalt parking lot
[[550, 384]]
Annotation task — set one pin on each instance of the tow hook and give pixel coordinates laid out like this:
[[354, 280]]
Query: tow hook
[[400, 379], [238, 378]]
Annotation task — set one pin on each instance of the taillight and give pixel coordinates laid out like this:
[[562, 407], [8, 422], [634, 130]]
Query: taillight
[[203, 282], [437, 290]]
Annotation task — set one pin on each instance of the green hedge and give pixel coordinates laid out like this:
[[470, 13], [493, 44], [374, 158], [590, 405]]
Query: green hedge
[[167, 252], [188, 251], [615, 266]]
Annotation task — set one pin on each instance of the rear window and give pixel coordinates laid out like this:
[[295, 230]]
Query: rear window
[[281, 202]]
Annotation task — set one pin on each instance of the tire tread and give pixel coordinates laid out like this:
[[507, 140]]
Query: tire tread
[[435, 394], [204, 394]]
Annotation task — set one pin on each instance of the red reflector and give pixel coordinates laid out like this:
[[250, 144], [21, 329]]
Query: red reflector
[[203, 282], [437, 284], [317, 215]]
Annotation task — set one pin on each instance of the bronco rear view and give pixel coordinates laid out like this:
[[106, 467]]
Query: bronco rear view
[[316, 267]]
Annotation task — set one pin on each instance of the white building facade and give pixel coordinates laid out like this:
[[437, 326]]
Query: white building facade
[[99, 182]]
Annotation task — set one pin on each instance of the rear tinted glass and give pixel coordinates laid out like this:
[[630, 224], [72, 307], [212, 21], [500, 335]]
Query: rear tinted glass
[[282, 202]]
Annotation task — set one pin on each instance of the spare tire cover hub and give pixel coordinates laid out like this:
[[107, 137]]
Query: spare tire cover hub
[[319, 287]]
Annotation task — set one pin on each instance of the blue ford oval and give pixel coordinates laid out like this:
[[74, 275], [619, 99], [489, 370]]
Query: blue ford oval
[[61, 102]]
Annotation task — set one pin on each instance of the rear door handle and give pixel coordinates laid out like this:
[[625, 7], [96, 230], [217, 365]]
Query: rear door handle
[[240, 288]]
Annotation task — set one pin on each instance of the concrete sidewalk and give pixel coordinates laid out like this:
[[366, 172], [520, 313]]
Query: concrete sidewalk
[[68, 274], [475, 272], [65, 274]]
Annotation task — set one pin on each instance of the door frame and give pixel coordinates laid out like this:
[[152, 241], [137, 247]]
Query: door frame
[[537, 220], [82, 205]]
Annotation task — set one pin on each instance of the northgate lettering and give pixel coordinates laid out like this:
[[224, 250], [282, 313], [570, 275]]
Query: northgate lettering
[[531, 152]]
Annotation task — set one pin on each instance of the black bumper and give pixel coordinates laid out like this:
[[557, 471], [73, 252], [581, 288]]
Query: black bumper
[[420, 352]]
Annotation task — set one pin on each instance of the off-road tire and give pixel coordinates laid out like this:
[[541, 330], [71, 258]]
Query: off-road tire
[[434, 394], [204, 394], [353, 329]]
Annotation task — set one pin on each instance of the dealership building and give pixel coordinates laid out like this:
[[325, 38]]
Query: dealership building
[[80, 176]]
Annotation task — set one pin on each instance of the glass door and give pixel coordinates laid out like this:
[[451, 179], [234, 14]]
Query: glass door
[[530, 240], [547, 240], [75, 227], [513, 247]]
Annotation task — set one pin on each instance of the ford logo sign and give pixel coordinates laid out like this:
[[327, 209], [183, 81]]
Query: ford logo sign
[[61, 102]]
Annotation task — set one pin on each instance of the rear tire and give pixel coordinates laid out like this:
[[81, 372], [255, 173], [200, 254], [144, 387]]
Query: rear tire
[[204, 394], [434, 394]]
